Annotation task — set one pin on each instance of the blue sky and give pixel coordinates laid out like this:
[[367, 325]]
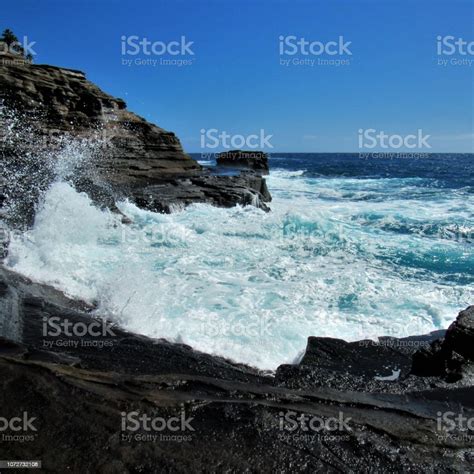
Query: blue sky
[[236, 83]]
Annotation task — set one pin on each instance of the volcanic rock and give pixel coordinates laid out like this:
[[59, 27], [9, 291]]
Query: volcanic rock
[[47, 104], [252, 160], [239, 419], [453, 356]]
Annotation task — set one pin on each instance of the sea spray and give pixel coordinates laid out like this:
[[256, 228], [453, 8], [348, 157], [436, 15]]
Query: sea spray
[[32, 159], [246, 284], [346, 257]]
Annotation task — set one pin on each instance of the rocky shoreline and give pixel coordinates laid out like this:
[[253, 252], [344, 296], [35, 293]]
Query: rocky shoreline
[[78, 389], [366, 406]]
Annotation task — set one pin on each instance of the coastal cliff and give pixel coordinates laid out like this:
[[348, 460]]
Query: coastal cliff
[[60, 101], [134, 158]]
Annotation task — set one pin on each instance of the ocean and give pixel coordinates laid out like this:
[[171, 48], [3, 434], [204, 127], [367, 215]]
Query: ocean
[[353, 248]]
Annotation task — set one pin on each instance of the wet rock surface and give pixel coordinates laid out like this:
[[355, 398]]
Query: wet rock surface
[[223, 191], [133, 158], [238, 418], [251, 160], [453, 356]]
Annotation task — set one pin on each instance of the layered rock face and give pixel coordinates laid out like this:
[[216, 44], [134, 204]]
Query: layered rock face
[[252, 160], [221, 191], [63, 101], [53, 102], [329, 413]]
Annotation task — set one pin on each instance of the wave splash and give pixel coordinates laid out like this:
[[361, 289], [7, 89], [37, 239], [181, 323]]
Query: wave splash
[[33, 159], [249, 285]]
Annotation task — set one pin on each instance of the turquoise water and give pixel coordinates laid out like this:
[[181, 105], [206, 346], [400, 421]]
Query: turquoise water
[[352, 249]]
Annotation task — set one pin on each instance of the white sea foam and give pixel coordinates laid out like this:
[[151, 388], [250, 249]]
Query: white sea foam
[[250, 285]]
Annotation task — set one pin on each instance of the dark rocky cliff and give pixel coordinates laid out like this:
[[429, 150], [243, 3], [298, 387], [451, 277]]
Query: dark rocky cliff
[[64, 101], [137, 159]]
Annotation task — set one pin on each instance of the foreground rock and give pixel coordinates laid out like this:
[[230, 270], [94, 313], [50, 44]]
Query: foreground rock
[[86, 393], [41, 106], [453, 356], [252, 160]]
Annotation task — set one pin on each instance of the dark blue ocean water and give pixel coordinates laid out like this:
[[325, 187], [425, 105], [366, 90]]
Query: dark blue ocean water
[[438, 170], [430, 197]]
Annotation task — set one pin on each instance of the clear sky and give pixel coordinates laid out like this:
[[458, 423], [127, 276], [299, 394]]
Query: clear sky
[[236, 82]]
